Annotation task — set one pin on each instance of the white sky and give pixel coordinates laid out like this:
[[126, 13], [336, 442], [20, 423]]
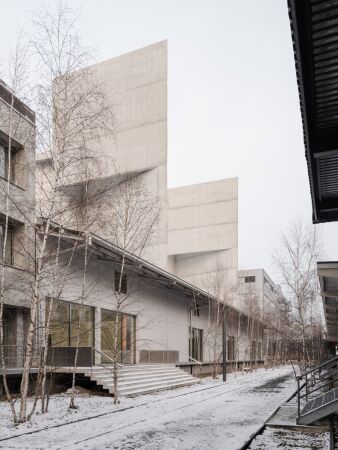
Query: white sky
[[233, 100]]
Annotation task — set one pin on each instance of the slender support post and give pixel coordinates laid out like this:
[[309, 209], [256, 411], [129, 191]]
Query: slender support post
[[298, 395], [306, 388], [224, 347]]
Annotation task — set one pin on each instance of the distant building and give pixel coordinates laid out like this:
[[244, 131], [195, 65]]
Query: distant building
[[255, 285]]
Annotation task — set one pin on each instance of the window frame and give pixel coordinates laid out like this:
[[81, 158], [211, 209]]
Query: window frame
[[68, 324], [250, 279], [14, 151], [124, 282]]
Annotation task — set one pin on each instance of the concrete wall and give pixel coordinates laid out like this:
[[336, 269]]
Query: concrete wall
[[134, 87], [203, 230], [197, 228], [21, 197]]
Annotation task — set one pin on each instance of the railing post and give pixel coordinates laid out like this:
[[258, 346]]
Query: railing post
[[224, 347], [298, 395], [306, 388]]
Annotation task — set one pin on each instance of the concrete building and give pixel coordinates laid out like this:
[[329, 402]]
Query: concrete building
[[197, 230], [167, 313], [166, 318], [17, 143], [203, 231], [256, 286]]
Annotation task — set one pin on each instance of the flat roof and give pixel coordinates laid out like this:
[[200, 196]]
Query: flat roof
[[18, 105]]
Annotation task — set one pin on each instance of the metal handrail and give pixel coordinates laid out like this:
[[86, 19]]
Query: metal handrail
[[313, 384], [316, 389], [320, 366]]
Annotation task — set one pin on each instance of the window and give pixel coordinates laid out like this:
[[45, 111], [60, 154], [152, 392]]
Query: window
[[9, 257], [196, 344], [4, 163], [250, 279], [68, 321], [123, 280], [231, 346], [196, 312]]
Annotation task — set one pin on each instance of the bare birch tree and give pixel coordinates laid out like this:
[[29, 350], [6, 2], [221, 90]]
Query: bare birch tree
[[131, 223], [71, 115], [218, 285], [296, 262]]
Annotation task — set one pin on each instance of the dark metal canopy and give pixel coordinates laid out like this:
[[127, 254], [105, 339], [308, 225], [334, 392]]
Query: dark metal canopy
[[314, 26], [328, 278]]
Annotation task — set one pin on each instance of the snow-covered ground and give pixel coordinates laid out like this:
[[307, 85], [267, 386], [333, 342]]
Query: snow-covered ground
[[211, 415], [276, 439]]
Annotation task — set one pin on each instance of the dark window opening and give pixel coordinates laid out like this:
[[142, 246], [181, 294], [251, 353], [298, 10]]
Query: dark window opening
[[231, 347], [8, 247], [123, 288], [196, 344], [196, 312], [250, 279], [4, 163]]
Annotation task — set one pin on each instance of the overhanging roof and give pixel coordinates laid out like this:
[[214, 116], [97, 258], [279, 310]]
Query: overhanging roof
[[314, 27], [328, 278], [112, 253]]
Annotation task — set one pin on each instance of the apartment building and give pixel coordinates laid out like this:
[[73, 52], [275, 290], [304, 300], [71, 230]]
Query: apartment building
[[17, 202]]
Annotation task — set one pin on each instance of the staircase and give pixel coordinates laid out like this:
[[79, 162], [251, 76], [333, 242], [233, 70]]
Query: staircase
[[318, 390], [141, 378], [320, 407]]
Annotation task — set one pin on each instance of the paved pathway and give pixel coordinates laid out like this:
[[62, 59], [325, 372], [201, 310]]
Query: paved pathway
[[212, 416]]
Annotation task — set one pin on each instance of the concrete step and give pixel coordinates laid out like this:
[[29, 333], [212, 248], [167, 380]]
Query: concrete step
[[134, 371], [153, 383], [150, 380], [136, 379], [155, 388], [141, 375]]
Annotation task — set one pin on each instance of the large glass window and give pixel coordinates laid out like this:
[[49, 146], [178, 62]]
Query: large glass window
[[81, 324], [125, 335], [68, 320]]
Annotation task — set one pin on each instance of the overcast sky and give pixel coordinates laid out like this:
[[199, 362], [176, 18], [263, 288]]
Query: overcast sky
[[233, 101]]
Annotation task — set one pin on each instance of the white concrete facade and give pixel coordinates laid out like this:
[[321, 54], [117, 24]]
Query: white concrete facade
[[164, 316], [256, 284], [197, 229], [203, 230]]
